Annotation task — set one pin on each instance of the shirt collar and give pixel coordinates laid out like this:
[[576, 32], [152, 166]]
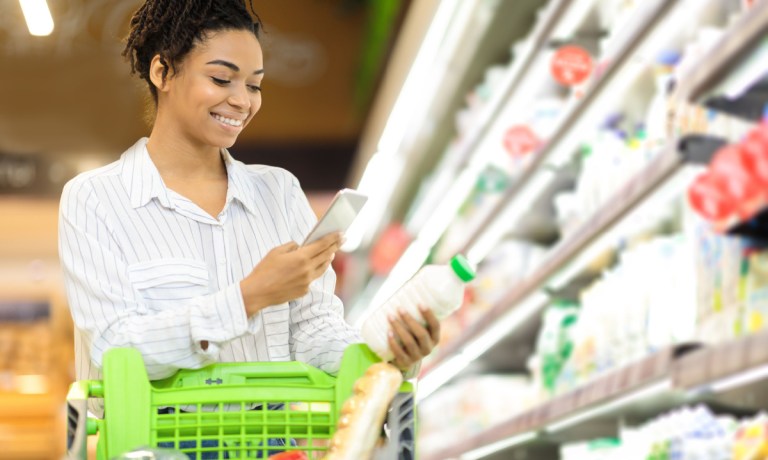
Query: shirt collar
[[143, 182], [239, 183], [141, 178]]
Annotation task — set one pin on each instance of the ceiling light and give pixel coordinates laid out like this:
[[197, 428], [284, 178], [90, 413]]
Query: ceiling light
[[441, 375], [38, 17]]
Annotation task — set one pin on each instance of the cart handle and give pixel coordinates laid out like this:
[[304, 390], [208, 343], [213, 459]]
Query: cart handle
[[267, 374]]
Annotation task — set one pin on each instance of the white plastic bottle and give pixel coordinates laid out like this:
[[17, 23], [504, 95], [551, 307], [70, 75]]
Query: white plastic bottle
[[439, 287]]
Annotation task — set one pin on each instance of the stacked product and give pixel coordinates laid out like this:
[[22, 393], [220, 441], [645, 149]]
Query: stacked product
[[643, 304], [692, 286], [470, 406], [611, 156], [684, 434], [553, 346]]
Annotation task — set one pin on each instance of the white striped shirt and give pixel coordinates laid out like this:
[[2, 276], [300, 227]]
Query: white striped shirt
[[147, 268]]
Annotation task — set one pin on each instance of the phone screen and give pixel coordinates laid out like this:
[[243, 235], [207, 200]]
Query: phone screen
[[345, 206]]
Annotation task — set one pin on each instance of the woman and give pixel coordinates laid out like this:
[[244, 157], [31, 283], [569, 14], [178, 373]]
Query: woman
[[181, 251]]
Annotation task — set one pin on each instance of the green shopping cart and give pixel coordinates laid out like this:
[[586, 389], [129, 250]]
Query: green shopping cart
[[227, 410]]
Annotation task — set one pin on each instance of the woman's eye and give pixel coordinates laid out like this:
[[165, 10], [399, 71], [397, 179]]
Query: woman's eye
[[219, 81], [254, 88]]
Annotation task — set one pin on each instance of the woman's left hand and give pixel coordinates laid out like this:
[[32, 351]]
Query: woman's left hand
[[409, 340]]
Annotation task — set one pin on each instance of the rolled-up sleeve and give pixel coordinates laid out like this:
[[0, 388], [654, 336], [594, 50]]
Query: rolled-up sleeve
[[109, 312]]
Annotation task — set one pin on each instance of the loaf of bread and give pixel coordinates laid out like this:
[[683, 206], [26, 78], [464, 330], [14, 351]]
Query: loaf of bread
[[362, 415]]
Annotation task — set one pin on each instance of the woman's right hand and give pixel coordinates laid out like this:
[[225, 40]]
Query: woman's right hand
[[285, 273]]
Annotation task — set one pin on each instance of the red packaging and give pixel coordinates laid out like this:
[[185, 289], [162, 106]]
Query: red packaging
[[707, 197], [737, 181], [289, 455], [754, 154]]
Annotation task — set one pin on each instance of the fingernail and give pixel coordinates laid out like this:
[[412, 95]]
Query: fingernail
[[423, 308], [391, 319], [401, 311]]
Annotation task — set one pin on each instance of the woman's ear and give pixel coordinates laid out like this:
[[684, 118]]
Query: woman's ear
[[159, 73]]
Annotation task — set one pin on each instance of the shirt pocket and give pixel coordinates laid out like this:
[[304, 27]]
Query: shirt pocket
[[168, 281]]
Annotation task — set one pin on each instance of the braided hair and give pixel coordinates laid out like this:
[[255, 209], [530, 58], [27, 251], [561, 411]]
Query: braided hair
[[171, 28]]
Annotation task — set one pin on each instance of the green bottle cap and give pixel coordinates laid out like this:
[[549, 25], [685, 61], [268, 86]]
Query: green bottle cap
[[462, 268]]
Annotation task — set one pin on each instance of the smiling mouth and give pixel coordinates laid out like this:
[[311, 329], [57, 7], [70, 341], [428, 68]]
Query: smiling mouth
[[228, 121]]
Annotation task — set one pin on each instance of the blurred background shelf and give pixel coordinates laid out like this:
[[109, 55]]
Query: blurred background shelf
[[730, 377], [573, 262]]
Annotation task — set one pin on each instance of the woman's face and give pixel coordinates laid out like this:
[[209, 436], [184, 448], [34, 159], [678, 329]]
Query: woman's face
[[216, 91]]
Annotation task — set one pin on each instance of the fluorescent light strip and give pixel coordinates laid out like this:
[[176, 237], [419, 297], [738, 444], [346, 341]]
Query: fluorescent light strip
[[439, 184], [746, 74], [447, 209], [739, 380], [641, 395], [512, 320], [38, 17], [441, 375], [576, 14], [410, 102], [507, 324], [509, 216], [417, 89], [408, 264], [499, 445], [415, 255]]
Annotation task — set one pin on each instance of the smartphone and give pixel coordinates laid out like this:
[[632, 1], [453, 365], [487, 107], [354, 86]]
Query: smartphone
[[346, 205]]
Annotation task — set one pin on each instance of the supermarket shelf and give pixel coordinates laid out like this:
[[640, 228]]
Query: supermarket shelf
[[455, 180], [713, 76], [630, 388], [468, 145], [648, 16], [526, 181], [566, 251], [695, 149], [512, 79], [730, 376]]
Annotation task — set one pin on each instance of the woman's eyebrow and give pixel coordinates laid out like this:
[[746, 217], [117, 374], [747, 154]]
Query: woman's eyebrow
[[231, 65]]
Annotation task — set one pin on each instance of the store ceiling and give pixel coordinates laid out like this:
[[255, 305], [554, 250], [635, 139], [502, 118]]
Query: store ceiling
[[69, 103]]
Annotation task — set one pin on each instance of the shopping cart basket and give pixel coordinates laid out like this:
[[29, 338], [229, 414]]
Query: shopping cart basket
[[227, 410]]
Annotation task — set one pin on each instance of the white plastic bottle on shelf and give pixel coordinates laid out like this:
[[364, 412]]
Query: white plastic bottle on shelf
[[439, 287]]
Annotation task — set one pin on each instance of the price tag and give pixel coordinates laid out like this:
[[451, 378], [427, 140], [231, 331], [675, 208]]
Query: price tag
[[571, 65], [520, 140]]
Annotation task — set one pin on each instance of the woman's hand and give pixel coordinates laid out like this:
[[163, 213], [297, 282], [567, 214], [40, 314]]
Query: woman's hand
[[285, 273], [409, 340]]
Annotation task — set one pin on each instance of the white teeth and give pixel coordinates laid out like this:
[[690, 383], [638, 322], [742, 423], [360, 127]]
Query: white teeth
[[228, 121]]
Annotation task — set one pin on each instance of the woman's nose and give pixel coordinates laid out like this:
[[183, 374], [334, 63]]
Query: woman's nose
[[240, 97]]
